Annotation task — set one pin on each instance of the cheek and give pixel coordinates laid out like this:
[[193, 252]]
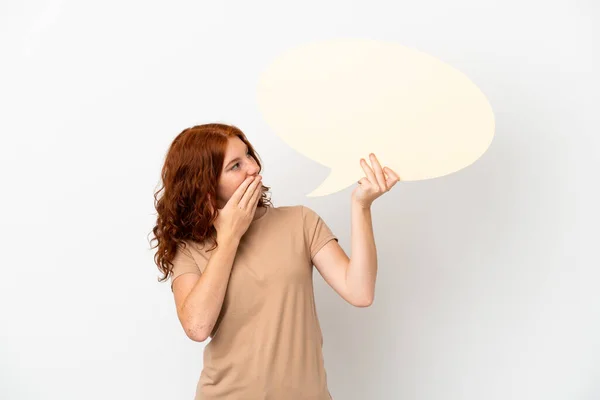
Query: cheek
[[233, 184]]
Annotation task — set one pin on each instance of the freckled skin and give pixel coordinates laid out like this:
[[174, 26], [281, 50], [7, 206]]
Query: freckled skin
[[235, 173]]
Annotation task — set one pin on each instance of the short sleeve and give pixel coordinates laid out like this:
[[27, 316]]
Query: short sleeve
[[184, 263], [316, 231]]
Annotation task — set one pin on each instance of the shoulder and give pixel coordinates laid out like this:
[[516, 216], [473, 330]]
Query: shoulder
[[308, 214], [305, 213], [195, 250], [291, 211], [292, 215]]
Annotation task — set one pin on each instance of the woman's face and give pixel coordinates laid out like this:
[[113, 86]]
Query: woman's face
[[238, 165]]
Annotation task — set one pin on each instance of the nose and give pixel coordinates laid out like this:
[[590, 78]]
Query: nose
[[254, 171]]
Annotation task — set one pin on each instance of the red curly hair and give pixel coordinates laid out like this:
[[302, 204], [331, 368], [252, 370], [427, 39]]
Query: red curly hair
[[190, 175]]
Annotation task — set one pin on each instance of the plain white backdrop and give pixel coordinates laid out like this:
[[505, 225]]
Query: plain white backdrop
[[488, 278]]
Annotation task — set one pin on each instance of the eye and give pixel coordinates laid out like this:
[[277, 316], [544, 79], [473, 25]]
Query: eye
[[234, 165]]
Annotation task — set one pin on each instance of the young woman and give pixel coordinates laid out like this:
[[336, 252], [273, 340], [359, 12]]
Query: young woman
[[241, 269]]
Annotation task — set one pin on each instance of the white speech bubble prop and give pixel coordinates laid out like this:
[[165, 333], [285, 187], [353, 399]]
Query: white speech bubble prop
[[336, 101]]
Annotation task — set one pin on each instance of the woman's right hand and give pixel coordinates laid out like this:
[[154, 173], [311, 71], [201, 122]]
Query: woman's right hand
[[234, 219]]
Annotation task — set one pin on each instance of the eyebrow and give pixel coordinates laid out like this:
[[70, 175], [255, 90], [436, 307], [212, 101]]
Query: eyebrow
[[235, 159]]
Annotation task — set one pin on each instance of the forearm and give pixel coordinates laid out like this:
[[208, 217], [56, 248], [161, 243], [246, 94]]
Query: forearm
[[362, 270], [204, 302]]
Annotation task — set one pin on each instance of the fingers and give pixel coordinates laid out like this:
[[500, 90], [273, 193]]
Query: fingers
[[256, 196], [368, 171], [248, 195], [378, 172], [393, 177], [239, 192]]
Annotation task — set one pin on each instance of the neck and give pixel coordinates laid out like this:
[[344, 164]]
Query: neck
[[259, 212]]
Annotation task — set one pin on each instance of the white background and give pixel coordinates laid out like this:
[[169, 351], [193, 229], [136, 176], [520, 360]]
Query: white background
[[488, 278]]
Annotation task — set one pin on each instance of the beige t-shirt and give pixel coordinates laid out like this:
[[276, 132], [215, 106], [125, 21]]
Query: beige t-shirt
[[267, 342]]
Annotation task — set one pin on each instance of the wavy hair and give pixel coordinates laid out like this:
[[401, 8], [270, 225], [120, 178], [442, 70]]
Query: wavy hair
[[188, 206]]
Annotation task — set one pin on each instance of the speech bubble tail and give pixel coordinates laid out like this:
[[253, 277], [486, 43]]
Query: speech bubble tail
[[332, 184]]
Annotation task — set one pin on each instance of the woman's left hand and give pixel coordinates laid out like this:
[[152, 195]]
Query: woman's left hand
[[374, 184]]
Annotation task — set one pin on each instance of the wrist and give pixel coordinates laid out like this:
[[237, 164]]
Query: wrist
[[228, 239], [360, 205]]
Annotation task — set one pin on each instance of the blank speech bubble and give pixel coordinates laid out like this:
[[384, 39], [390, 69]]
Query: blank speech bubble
[[336, 101]]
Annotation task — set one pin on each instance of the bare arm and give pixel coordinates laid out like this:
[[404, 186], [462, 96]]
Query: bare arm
[[199, 298], [361, 273]]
